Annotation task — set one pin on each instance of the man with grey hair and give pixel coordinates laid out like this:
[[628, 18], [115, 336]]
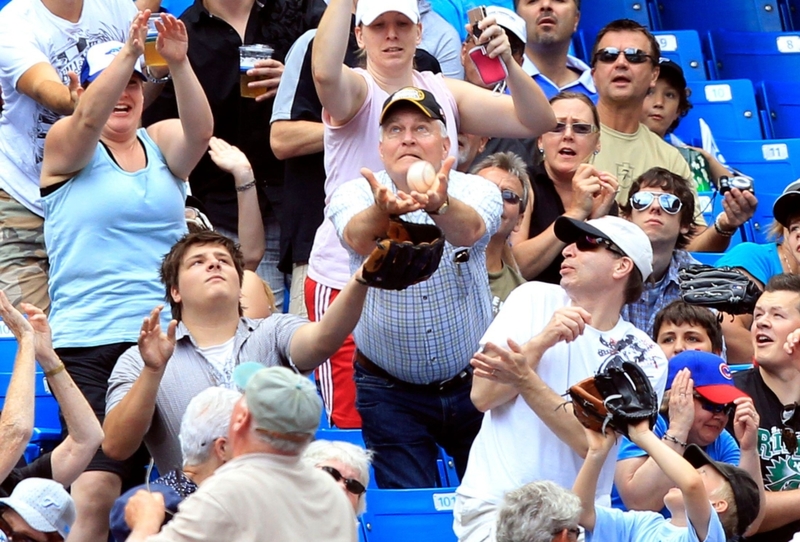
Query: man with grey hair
[[347, 463], [265, 492], [509, 172], [541, 511], [411, 367]]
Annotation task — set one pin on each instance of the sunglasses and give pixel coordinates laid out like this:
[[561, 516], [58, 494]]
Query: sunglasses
[[11, 535], [670, 203], [788, 434], [714, 408], [509, 196], [578, 128], [588, 243], [611, 54], [350, 484]]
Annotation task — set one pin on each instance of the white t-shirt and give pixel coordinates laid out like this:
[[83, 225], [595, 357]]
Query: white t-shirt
[[30, 35], [514, 446]]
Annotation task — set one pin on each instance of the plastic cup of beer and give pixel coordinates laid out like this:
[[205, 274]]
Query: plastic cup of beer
[[151, 56], [248, 56]]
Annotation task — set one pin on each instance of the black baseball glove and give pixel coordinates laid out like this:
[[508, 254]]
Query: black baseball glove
[[723, 288], [619, 395], [409, 254]]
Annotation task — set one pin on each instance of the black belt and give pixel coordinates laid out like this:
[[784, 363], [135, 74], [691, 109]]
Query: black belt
[[463, 377]]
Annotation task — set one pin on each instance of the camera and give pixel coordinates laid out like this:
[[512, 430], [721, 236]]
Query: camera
[[736, 181]]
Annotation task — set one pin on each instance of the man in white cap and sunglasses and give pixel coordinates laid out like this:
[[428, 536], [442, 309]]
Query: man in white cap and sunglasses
[[265, 492], [545, 339], [38, 509], [662, 204]]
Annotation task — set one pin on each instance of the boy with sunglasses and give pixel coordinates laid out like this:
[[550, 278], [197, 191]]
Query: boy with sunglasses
[[625, 67], [702, 400], [546, 338], [661, 204], [774, 385]]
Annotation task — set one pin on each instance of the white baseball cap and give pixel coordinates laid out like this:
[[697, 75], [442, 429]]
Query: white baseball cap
[[44, 504], [509, 20], [629, 237], [369, 10], [99, 56]]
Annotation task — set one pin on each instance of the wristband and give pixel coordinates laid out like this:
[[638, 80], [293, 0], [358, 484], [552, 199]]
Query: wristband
[[157, 80], [720, 231], [670, 438], [53, 372], [246, 187]]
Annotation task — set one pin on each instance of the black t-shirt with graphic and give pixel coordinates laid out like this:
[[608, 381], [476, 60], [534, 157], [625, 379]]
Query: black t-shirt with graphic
[[779, 468]]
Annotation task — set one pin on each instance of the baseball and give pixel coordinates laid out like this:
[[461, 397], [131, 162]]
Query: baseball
[[421, 176]]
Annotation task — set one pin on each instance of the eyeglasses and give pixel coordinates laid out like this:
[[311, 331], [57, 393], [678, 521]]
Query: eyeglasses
[[788, 434], [350, 484], [509, 196], [578, 128], [670, 203], [589, 243], [611, 54], [714, 408], [11, 535]]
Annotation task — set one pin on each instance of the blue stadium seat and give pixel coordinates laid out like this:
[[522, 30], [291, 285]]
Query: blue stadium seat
[[45, 407], [773, 164], [703, 15], [595, 15], [728, 107], [175, 7], [780, 103], [395, 515], [757, 56], [683, 47]]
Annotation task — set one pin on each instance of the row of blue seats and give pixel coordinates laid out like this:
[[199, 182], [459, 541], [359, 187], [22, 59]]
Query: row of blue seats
[[739, 15]]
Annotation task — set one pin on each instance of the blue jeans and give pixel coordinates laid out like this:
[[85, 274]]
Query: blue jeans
[[403, 425]]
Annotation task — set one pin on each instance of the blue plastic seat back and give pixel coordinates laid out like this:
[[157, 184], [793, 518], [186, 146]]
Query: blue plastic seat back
[[703, 15], [728, 107], [757, 56], [683, 47], [595, 15], [395, 515], [707, 258], [781, 103], [45, 406]]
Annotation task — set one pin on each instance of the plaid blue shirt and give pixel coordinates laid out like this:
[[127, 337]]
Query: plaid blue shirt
[[429, 331], [655, 297]]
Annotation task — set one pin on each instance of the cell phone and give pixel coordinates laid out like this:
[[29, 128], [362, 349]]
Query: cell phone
[[490, 70], [475, 15]]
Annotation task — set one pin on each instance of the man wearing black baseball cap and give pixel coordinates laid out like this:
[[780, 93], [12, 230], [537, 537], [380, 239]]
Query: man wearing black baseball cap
[[411, 366]]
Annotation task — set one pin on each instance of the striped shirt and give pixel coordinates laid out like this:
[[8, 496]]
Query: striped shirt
[[429, 331], [188, 373]]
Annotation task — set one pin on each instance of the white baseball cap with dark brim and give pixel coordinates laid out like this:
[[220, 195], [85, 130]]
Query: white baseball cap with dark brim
[[369, 10], [629, 237], [44, 504], [787, 204], [99, 57], [509, 20]]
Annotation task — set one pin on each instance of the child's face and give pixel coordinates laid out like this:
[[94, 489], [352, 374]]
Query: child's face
[[712, 480], [674, 339]]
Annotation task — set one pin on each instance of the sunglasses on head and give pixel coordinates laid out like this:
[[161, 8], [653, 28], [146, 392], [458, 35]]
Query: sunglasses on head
[[350, 484], [715, 408], [11, 535], [670, 203], [611, 54], [788, 434], [509, 196], [578, 128], [588, 243]]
